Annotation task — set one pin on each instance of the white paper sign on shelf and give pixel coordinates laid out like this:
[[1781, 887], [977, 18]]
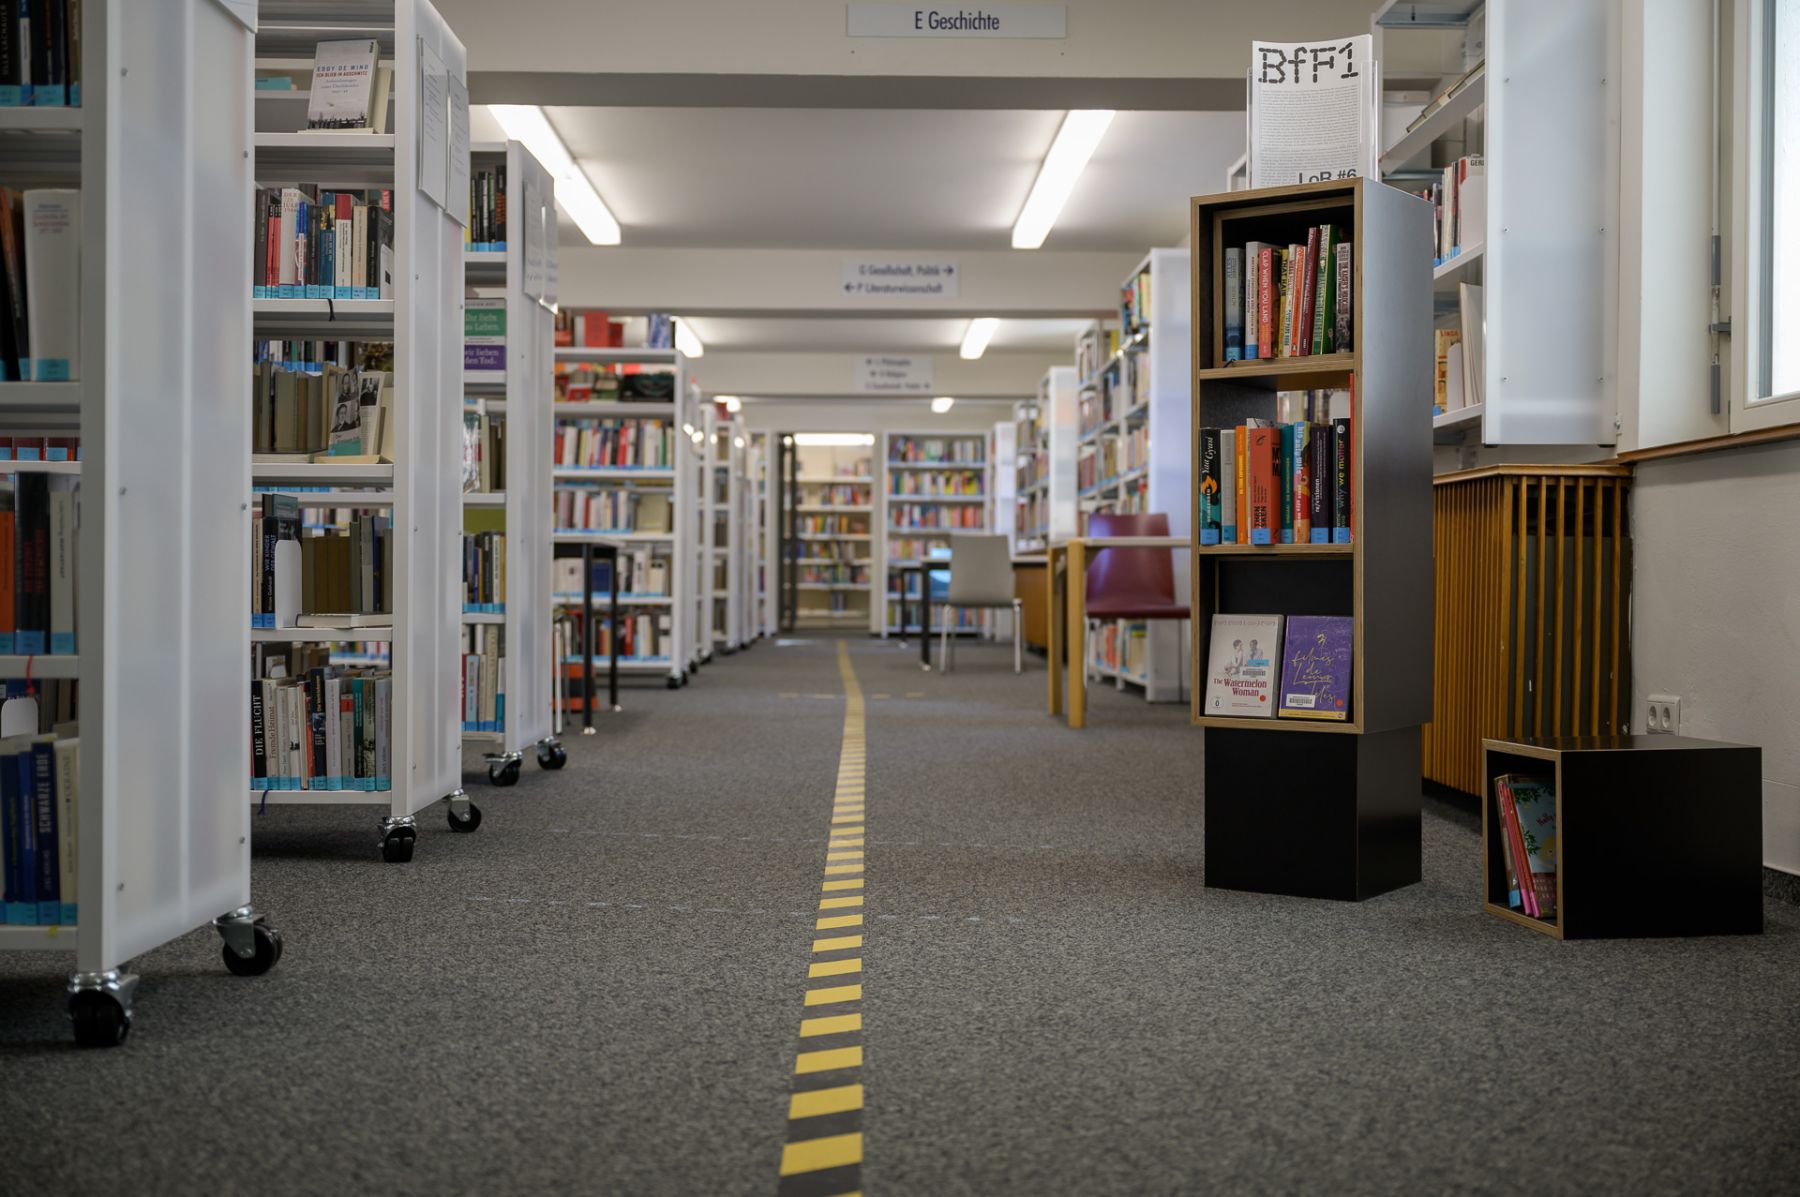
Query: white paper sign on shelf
[[981, 20], [434, 119], [1313, 109], [532, 218], [901, 278], [884, 374], [458, 174]]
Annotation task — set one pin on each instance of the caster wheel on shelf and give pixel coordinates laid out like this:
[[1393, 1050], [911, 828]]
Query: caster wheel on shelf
[[468, 824], [398, 847], [504, 775], [552, 756], [268, 954], [676, 683], [99, 1020], [684, 679]]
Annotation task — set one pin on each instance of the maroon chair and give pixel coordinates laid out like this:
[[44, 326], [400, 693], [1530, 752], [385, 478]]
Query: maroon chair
[[1132, 583]]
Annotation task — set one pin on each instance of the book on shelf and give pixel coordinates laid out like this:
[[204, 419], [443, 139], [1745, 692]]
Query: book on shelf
[[332, 414], [323, 727], [52, 243], [642, 636], [937, 484], [1459, 203], [322, 244], [349, 88], [615, 444], [611, 509], [938, 450], [40, 827], [1134, 304], [1317, 652], [1447, 353], [1241, 670], [1472, 309], [1527, 807], [588, 329], [300, 580], [483, 680], [643, 572], [1280, 482], [344, 619], [40, 545], [484, 335], [1443, 97], [40, 54], [486, 230], [1288, 301], [484, 572], [484, 453]]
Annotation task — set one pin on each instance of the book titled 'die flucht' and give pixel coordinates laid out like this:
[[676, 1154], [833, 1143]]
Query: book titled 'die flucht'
[[1315, 669]]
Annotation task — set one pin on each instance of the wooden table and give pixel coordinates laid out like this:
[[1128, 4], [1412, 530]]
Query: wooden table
[[1066, 596], [1029, 570]]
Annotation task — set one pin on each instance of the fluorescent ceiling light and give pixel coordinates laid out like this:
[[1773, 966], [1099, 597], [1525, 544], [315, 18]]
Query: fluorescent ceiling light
[[732, 402], [687, 342], [1069, 153], [574, 193], [981, 331], [833, 438], [942, 404]]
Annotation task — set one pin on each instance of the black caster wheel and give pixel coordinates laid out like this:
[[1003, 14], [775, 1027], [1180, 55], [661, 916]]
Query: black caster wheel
[[676, 683], [684, 679], [552, 756], [99, 1020], [504, 775], [268, 954], [470, 823], [398, 847]]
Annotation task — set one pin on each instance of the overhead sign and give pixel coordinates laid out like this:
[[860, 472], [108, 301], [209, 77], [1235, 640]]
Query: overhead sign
[[881, 374], [983, 20], [901, 278]]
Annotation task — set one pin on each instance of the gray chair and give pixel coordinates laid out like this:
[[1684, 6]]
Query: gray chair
[[981, 575]]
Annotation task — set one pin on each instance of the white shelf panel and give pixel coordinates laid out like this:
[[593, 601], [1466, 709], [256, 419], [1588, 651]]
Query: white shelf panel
[[485, 380], [1459, 423], [322, 797], [827, 507], [621, 473], [1416, 145], [335, 498], [320, 473], [601, 602], [626, 664], [602, 537], [40, 396], [41, 120], [937, 499], [831, 536], [857, 480], [484, 259], [613, 407], [332, 158], [492, 498], [40, 467], [622, 356], [936, 465], [382, 635], [497, 618], [60, 665], [1464, 267], [493, 407], [37, 939], [323, 318], [861, 586]]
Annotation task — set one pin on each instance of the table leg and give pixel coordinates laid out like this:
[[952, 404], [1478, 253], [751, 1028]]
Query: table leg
[[1053, 630], [1075, 599]]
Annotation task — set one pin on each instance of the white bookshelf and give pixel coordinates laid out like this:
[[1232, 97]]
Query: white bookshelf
[[677, 481], [1044, 437], [161, 143], [911, 543], [521, 395], [697, 452], [834, 493], [1143, 386], [424, 321], [1543, 111]]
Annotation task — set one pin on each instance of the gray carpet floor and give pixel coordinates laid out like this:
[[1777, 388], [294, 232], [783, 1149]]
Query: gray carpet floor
[[599, 991]]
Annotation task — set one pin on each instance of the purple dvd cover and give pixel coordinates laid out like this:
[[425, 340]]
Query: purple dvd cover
[[1315, 667]]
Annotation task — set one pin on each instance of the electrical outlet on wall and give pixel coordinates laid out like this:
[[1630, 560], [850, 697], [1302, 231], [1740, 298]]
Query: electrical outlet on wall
[[1662, 714]]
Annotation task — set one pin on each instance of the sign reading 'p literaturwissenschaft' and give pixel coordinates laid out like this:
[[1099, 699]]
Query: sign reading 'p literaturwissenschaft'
[[985, 20]]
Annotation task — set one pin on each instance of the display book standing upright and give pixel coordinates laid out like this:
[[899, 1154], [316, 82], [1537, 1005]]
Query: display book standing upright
[[1533, 110], [1148, 420], [933, 483], [661, 495], [416, 474], [158, 149], [1321, 808], [512, 382]]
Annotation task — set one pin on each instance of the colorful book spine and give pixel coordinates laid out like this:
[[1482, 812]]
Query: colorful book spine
[[1286, 469], [1234, 305], [1252, 271], [1268, 274], [1263, 457], [1341, 312], [1228, 492], [1302, 497], [1209, 486], [1340, 482], [1324, 291]]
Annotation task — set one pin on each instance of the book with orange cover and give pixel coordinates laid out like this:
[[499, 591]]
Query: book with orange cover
[[1263, 485]]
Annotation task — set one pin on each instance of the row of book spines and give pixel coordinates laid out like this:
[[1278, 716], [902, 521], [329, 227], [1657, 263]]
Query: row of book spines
[[1292, 302], [484, 570], [312, 737], [1267, 485], [38, 830], [483, 696], [310, 248], [486, 230], [40, 448], [39, 530], [40, 53]]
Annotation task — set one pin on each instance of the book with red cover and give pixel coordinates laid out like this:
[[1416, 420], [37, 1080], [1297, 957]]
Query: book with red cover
[[1263, 483], [1509, 824], [1309, 297], [1265, 303]]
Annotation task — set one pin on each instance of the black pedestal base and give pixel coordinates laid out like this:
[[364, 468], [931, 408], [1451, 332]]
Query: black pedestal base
[[1312, 815]]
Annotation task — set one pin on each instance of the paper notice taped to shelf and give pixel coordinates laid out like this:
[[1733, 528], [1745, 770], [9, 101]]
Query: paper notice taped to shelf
[[458, 178], [1313, 111], [434, 121]]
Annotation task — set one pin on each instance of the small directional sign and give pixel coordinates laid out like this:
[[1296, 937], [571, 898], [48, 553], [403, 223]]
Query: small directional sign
[[901, 278]]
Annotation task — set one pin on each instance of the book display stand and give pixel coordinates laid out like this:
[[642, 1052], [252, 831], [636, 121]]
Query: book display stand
[[159, 148], [522, 275], [1652, 816], [424, 321], [1325, 809], [673, 483], [930, 487]]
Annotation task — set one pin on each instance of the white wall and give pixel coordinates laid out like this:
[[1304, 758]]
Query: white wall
[[1716, 612]]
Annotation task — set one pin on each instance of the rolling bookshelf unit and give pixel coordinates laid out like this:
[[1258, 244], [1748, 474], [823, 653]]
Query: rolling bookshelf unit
[[701, 545], [520, 395], [1044, 440], [1537, 99], [670, 481], [159, 151], [1325, 809], [933, 484], [424, 322], [733, 447], [833, 506], [1142, 388]]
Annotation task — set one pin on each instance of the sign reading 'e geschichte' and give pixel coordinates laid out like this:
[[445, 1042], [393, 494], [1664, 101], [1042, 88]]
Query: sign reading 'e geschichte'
[[981, 20]]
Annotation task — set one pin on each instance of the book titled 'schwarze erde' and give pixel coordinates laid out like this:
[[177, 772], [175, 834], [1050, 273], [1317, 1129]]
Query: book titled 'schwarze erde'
[[1315, 668], [1242, 666]]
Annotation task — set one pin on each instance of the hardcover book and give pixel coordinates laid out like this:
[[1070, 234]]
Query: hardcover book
[[1534, 801], [1316, 667], [1240, 672], [342, 93]]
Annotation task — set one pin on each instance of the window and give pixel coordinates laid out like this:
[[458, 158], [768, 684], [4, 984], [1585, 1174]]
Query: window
[[1765, 187]]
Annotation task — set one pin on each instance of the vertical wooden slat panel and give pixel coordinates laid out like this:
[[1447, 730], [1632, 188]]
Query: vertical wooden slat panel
[[1521, 544], [1537, 633], [1618, 605], [1602, 487], [1562, 520], [1580, 549]]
